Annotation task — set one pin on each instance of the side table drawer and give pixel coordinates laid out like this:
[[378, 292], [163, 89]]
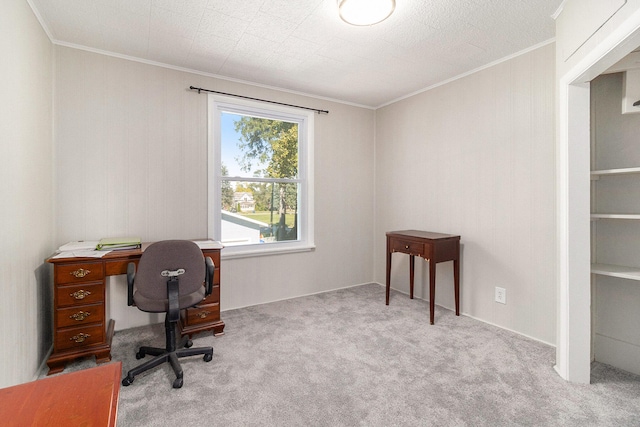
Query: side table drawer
[[75, 273], [85, 293], [80, 315], [79, 337], [407, 247]]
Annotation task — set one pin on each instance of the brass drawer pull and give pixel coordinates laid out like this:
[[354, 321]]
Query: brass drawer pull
[[80, 273], [80, 316], [203, 314], [79, 338], [80, 294]]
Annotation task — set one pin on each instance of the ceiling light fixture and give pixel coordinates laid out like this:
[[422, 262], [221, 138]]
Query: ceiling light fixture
[[365, 12]]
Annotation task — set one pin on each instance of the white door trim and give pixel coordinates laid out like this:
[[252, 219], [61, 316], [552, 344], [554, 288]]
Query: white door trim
[[573, 351]]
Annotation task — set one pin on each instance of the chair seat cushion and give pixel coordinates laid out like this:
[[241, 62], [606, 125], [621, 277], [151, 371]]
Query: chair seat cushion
[[161, 306]]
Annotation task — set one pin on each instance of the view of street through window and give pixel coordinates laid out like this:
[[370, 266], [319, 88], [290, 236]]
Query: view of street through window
[[259, 186]]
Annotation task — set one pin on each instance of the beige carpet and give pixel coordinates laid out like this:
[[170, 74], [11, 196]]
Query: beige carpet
[[343, 358]]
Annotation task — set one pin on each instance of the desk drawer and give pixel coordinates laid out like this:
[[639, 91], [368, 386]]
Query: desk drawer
[[407, 247], [81, 315], [75, 273], [214, 297], [202, 314], [86, 293], [79, 337]]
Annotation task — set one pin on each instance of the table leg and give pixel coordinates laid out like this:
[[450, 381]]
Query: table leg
[[432, 290], [456, 284], [388, 272], [412, 268]]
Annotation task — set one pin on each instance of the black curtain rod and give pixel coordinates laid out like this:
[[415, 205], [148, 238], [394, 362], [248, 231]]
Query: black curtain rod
[[199, 89]]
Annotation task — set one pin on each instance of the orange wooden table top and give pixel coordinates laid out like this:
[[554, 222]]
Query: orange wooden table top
[[83, 398]]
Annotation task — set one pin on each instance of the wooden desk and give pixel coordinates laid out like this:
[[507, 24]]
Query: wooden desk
[[80, 324], [84, 398], [433, 247]]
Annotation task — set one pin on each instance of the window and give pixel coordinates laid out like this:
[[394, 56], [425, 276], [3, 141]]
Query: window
[[260, 177]]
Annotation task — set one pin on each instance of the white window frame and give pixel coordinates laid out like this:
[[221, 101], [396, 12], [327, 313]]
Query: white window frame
[[218, 104]]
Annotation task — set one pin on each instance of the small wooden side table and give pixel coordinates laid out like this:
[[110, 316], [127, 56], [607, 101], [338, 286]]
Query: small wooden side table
[[83, 398], [433, 247]]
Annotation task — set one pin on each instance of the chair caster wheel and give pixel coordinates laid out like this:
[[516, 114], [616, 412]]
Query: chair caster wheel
[[177, 383], [207, 357], [127, 381], [140, 355], [188, 344]]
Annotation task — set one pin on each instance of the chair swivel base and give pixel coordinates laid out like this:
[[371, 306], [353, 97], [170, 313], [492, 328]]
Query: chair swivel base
[[162, 356]]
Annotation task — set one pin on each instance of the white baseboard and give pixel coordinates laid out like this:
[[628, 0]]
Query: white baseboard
[[43, 369], [481, 320], [620, 354]]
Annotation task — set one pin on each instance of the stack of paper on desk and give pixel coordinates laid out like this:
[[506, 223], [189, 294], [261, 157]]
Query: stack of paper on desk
[[208, 244], [82, 245], [81, 253], [119, 243], [80, 249]]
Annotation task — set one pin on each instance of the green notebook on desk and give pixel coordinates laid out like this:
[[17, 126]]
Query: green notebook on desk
[[119, 243]]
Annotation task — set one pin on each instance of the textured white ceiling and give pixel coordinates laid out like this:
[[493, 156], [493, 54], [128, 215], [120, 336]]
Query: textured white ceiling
[[302, 45]]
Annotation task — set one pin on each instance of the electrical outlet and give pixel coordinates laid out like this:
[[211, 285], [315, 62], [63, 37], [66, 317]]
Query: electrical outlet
[[501, 295]]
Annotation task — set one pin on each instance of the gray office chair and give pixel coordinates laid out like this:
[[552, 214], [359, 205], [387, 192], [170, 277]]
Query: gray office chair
[[169, 278]]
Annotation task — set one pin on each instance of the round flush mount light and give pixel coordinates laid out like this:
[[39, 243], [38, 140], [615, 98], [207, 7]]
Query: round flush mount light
[[365, 12]]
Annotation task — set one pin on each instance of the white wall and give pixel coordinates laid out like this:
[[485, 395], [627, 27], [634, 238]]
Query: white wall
[[26, 192], [131, 144], [615, 301], [476, 157]]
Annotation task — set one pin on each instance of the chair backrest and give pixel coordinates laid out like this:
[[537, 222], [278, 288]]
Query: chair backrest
[[170, 255]]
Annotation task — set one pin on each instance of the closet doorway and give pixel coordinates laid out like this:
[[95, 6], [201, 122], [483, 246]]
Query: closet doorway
[[574, 336]]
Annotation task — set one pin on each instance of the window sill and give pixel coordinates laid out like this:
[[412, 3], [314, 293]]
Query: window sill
[[229, 253]]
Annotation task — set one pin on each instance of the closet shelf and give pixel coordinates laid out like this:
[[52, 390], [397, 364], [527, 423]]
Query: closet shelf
[[631, 273], [614, 216]]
